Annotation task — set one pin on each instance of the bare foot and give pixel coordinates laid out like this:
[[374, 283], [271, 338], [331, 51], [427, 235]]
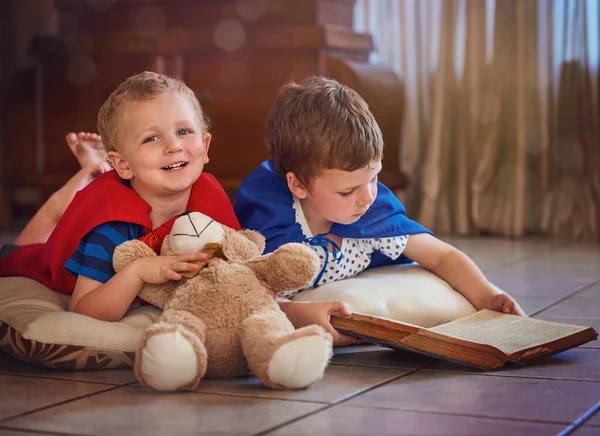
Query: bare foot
[[89, 151]]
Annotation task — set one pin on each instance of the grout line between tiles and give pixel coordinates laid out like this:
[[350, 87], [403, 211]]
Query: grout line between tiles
[[580, 421], [584, 288], [469, 415], [295, 400], [258, 397], [382, 367], [36, 432], [329, 406], [252, 396], [60, 403], [510, 376], [299, 400], [575, 292], [65, 379]]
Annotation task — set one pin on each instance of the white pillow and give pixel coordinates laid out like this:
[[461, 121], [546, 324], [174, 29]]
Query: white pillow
[[407, 293], [36, 327]]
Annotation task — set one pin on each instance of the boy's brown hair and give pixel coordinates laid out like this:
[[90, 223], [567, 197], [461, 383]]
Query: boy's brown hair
[[321, 124], [141, 87]]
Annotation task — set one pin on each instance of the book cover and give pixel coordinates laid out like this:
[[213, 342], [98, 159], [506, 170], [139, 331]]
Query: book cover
[[485, 340]]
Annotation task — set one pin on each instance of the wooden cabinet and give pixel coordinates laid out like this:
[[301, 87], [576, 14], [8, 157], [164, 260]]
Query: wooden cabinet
[[234, 54]]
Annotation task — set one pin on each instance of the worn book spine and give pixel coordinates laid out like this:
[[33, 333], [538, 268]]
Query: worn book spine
[[413, 338]]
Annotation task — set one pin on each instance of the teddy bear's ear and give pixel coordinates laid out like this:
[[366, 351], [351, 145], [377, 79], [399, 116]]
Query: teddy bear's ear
[[239, 246]]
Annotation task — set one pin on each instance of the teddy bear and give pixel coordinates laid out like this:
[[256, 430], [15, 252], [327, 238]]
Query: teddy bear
[[221, 322]]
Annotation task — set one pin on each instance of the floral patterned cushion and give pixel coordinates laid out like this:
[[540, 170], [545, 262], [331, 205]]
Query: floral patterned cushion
[[36, 327]]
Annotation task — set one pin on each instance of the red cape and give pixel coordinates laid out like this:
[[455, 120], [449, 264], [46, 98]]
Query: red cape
[[106, 199]]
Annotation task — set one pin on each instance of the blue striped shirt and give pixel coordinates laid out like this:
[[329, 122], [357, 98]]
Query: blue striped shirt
[[93, 257]]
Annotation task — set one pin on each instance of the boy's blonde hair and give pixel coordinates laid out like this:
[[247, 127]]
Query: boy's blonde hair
[[321, 124], [141, 87]]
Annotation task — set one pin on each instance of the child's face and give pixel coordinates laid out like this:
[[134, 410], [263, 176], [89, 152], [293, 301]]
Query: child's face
[[338, 196], [162, 148]]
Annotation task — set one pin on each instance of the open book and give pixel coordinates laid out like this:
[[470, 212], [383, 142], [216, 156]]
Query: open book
[[484, 340]]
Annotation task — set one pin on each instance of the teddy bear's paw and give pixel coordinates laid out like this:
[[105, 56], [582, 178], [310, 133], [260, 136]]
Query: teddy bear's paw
[[172, 359], [301, 362]]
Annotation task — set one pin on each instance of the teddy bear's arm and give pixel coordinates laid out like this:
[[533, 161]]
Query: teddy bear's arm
[[129, 251], [291, 267]]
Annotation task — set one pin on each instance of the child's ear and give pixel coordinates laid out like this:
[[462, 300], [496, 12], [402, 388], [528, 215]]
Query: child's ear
[[120, 165], [296, 187], [206, 137]]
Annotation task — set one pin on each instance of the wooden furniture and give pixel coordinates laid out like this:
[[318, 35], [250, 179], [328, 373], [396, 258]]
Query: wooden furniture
[[233, 54]]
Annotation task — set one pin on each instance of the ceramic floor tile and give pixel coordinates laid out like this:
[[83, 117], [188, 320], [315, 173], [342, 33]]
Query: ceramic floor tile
[[535, 285], [510, 276], [572, 308], [132, 411], [532, 305], [488, 253], [592, 293], [9, 365], [339, 382], [4, 431], [574, 364], [562, 270], [380, 357], [488, 265], [594, 420], [487, 396], [491, 245], [592, 322], [535, 244], [493, 254], [505, 250], [588, 254], [586, 430], [20, 394], [346, 420]]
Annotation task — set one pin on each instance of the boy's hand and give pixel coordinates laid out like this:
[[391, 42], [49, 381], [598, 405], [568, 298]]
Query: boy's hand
[[161, 269], [302, 314], [506, 304]]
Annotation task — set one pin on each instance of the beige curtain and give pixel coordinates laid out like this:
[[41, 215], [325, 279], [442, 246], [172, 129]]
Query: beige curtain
[[502, 126]]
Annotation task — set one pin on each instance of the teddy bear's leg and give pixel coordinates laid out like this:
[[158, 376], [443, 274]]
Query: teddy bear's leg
[[171, 354], [282, 357]]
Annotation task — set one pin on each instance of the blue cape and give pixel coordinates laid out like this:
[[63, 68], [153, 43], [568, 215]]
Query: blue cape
[[264, 203]]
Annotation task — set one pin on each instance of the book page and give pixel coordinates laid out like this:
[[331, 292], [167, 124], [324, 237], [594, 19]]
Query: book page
[[508, 333]]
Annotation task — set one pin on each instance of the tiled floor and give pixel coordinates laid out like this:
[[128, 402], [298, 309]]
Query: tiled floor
[[367, 390]]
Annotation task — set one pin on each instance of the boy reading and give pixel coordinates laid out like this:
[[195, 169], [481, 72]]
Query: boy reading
[[321, 188]]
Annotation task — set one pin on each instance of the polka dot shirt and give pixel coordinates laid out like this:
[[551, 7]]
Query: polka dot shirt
[[356, 254]]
